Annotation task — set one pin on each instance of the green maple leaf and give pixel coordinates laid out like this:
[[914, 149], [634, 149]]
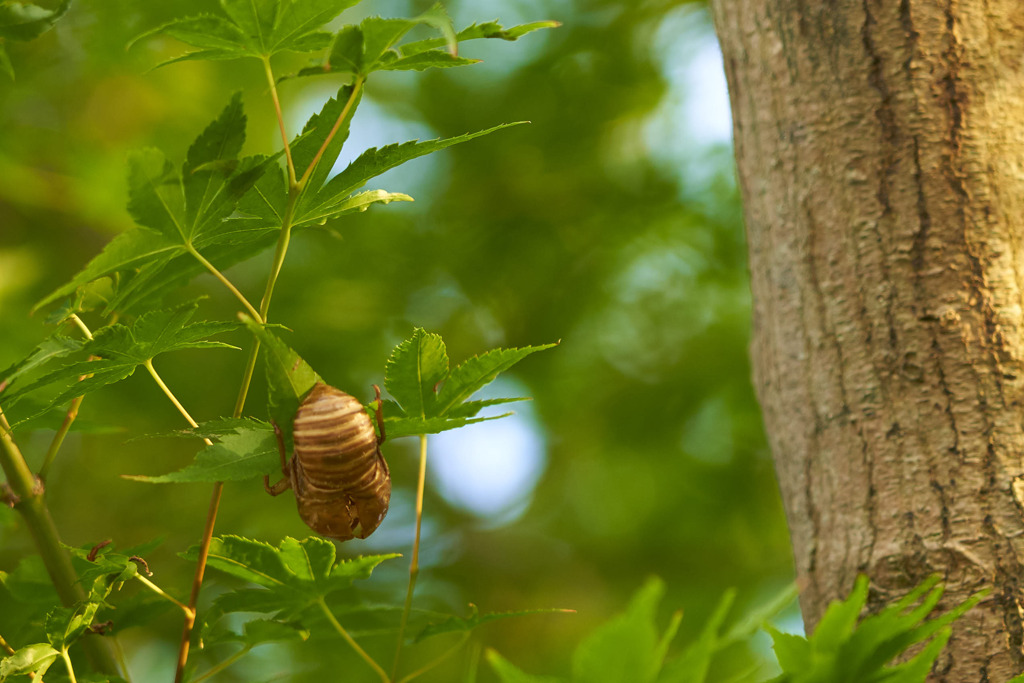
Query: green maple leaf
[[430, 397], [243, 449], [290, 577], [120, 349], [254, 28], [181, 216], [372, 45]]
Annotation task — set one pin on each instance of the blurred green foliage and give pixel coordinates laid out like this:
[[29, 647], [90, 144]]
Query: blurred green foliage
[[585, 226]]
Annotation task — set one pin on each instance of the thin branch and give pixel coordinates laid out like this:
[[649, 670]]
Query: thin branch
[[197, 581], [351, 641], [414, 565]]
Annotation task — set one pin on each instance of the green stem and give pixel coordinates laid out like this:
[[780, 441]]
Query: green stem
[[189, 612], [414, 565], [250, 367], [58, 438], [81, 325], [226, 282], [69, 417], [351, 641], [474, 662], [67, 663], [30, 504], [223, 665], [444, 655], [170, 395], [280, 121], [357, 86]]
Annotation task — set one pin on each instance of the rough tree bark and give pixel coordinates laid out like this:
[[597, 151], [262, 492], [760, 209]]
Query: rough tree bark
[[880, 148]]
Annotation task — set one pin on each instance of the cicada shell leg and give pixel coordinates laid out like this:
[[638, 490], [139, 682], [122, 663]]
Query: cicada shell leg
[[286, 469]]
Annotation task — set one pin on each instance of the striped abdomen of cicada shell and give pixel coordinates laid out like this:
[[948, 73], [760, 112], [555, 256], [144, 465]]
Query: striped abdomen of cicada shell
[[341, 481]]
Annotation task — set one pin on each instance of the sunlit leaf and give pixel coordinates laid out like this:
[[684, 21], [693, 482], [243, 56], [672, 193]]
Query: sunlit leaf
[[374, 162], [354, 204], [490, 29], [371, 45], [477, 372], [421, 61], [31, 659], [414, 370], [430, 398]]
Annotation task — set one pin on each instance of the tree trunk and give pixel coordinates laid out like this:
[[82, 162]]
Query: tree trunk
[[880, 148]]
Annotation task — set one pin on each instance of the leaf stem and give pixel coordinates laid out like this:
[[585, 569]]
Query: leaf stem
[[220, 666], [5, 646], [250, 367], [280, 120], [69, 417], [444, 655], [243, 391], [81, 325], [189, 612], [414, 564], [226, 282], [351, 641], [357, 86], [67, 662], [58, 438], [204, 545], [28, 491], [170, 395]]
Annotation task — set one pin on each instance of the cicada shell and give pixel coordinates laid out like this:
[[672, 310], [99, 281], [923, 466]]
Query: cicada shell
[[341, 481]]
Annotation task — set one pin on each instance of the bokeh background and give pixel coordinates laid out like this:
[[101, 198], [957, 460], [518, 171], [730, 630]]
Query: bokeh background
[[612, 223]]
